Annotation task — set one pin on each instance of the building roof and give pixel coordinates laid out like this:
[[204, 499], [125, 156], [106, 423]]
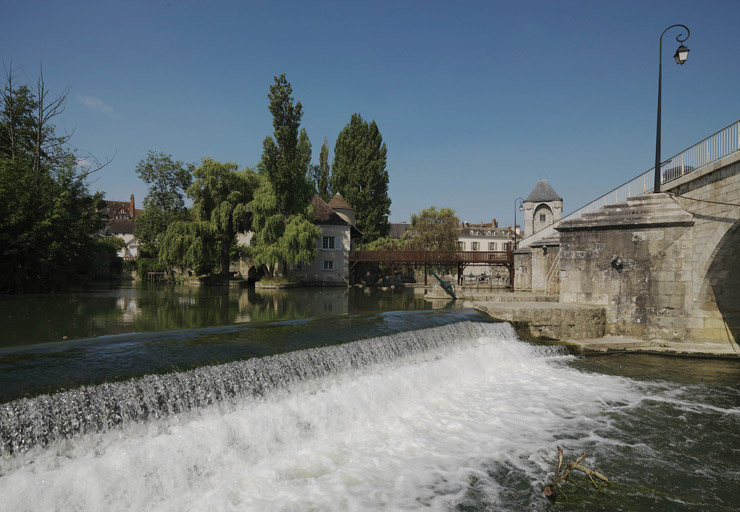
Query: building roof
[[487, 232], [543, 192], [398, 229], [121, 226], [338, 202], [112, 208], [325, 214]]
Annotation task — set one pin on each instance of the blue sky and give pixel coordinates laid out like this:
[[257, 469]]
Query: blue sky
[[475, 100]]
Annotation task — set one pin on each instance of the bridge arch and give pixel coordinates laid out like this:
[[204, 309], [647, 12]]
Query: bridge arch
[[719, 265]]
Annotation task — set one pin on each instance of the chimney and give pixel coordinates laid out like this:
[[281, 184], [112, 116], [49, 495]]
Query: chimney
[[494, 223], [132, 212]]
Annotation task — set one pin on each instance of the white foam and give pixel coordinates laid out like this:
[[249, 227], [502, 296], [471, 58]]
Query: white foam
[[396, 436]]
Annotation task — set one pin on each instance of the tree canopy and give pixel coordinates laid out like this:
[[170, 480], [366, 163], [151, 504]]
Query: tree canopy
[[282, 215], [432, 230], [49, 218], [359, 173], [165, 203], [280, 240], [286, 155], [320, 173], [220, 195]]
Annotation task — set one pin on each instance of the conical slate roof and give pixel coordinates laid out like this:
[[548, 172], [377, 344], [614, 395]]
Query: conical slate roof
[[339, 202], [324, 214], [543, 192]]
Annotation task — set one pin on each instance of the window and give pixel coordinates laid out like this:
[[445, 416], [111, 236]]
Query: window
[[327, 264], [460, 246], [328, 243], [542, 217], [475, 246], [491, 246]]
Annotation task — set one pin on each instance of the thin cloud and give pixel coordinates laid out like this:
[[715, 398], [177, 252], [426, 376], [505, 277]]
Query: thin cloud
[[96, 103]]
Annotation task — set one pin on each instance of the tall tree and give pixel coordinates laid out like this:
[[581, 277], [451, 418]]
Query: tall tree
[[287, 156], [320, 173], [220, 196], [432, 230], [165, 203], [280, 240], [359, 173], [283, 229], [49, 218]]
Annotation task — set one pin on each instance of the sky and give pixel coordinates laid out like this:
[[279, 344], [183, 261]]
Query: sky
[[476, 101]]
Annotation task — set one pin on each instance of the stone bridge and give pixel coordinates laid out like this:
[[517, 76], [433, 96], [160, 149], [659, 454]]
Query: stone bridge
[[664, 266]]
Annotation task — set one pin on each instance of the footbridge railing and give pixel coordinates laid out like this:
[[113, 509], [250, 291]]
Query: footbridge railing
[[715, 147]]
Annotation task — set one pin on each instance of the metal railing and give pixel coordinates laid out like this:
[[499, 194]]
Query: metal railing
[[711, 149], [716, 146]]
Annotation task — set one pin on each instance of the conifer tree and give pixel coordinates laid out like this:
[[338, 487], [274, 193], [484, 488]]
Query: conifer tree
[[359, 173], [284, 232], [321, 173], [286, 157]]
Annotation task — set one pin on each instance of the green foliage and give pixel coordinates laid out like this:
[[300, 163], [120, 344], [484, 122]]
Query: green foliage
[[104, 262], [220, 196], [359, 174], [320, 173], [383, 244], [286, 157], [49, 218], [146, 265], [280, 240], [167, 179], [165, 203], [432, 230]]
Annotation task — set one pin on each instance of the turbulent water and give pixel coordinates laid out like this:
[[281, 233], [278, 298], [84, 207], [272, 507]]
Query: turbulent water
[[456, 417]]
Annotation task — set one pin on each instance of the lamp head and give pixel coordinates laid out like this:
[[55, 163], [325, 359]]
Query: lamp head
[[682, 53]]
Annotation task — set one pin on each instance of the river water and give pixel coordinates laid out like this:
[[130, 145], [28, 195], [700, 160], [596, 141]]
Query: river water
[[340, 400]]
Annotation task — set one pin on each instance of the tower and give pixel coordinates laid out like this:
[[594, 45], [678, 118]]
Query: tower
[[542, 207]]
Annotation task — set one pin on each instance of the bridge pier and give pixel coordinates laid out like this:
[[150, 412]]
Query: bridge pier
[[664, 266]]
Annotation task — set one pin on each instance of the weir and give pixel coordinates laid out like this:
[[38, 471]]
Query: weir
[[462, 415], [45, 419]]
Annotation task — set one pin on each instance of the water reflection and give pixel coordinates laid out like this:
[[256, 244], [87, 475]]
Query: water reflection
[[145, 307]]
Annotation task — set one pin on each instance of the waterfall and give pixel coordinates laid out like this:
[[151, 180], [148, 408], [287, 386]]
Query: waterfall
[[41, 420]]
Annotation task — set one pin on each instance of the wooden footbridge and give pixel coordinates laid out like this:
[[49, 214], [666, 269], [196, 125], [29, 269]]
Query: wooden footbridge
[[461, 259]]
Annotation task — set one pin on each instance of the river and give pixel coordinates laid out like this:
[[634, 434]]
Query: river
[[176, 398]]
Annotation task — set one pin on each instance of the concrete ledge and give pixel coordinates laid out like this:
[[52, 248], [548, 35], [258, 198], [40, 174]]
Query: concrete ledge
[[550, 319], [612, 344]]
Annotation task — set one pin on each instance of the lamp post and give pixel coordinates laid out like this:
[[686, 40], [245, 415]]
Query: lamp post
[[682, 53], [513, 227]]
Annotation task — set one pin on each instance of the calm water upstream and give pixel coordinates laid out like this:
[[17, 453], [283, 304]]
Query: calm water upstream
[[167, 398]]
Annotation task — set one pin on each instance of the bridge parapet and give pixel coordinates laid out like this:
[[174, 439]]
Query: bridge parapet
[[714, 152]]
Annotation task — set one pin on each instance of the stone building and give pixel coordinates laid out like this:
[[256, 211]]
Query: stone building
[[536, 265], [337, 220], [542, 207], [484, 236]]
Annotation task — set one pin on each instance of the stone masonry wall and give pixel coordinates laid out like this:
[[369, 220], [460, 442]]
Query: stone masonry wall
[[644, 297], [713, 197]]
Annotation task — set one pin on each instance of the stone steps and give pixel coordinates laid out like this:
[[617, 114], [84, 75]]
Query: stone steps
[[652, 210]]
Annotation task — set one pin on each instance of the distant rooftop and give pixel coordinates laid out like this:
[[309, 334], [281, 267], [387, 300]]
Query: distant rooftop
[[543, 192], [339, 202]]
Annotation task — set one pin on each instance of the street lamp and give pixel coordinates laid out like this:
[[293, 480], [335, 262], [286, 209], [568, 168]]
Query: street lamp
[[682, 53], [513, 227]]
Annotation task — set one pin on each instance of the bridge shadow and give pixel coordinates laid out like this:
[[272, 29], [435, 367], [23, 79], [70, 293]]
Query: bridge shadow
[[724, 279]]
